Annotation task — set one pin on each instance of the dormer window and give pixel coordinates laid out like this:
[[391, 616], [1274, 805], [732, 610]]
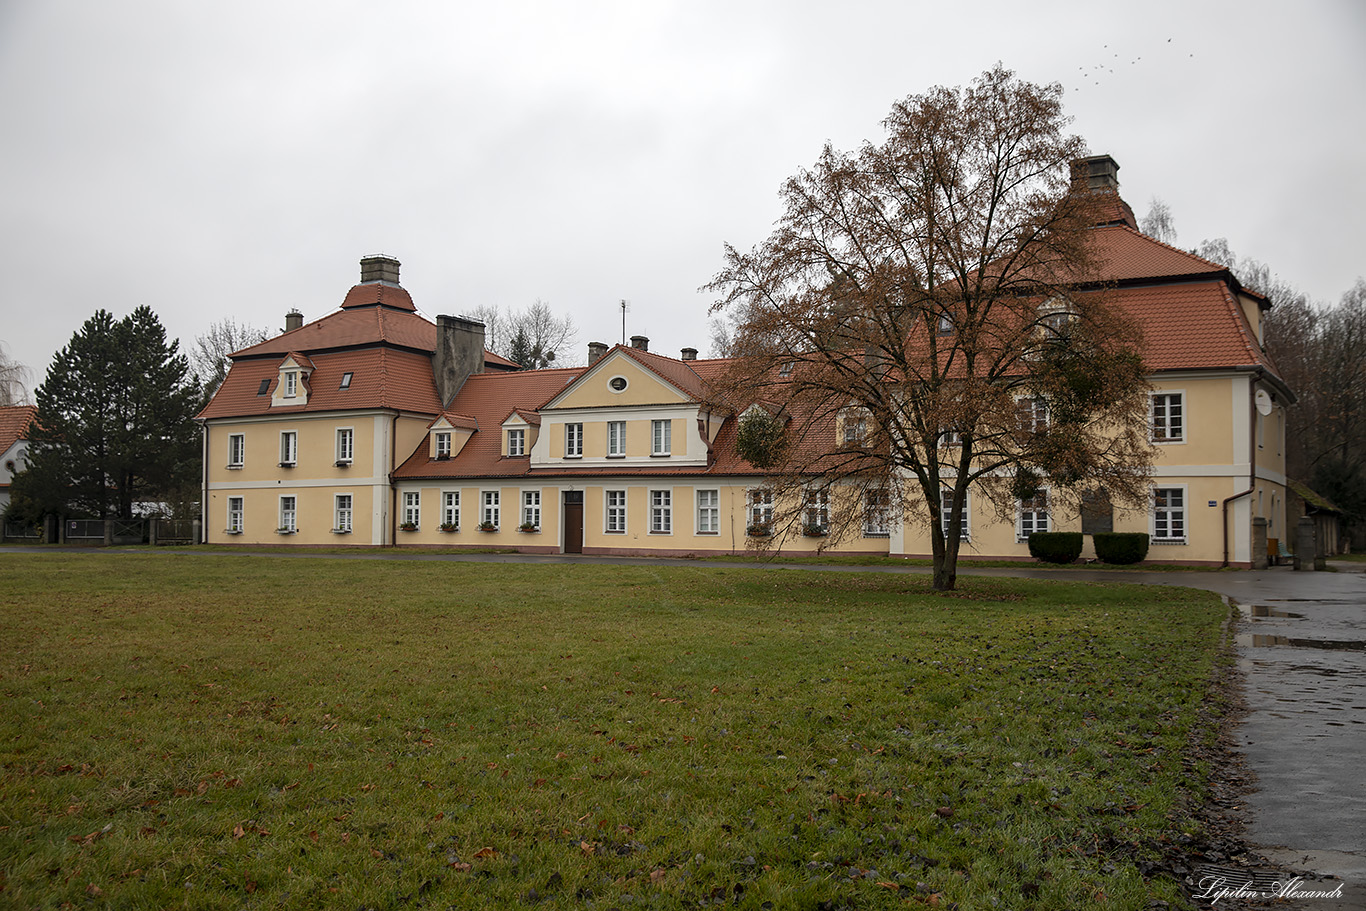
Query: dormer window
[[945, 324], [1055, 315], [291, 383], [443, 445], [517, 442]]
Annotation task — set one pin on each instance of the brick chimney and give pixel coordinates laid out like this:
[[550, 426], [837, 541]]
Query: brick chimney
[[459, 353], [379, 268], [293, 320], [595, 352], [689, 354], [641, 342]]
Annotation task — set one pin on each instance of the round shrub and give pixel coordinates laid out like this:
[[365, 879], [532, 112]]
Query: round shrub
[[1055, 546], [1121, 547]]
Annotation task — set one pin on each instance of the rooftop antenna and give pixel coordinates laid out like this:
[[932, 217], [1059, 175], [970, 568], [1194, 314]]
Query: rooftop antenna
[[625, 306]]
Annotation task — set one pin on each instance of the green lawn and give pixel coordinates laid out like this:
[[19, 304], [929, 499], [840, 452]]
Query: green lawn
[[193, 731]]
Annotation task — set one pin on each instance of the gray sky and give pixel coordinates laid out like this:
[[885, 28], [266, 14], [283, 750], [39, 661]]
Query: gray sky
[[237, 159]]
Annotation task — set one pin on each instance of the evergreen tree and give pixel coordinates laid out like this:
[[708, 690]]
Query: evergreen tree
[[115, 421]]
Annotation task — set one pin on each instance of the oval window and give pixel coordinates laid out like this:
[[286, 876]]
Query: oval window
[[618, 383]]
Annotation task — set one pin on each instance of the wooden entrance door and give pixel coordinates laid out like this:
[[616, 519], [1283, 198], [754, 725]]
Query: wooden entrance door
[[573, 521]]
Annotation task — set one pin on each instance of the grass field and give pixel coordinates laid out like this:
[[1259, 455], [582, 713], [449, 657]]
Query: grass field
[[189, 731]]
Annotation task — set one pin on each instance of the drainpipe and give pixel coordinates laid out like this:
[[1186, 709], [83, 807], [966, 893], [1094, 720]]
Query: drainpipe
[[1251, 455], [393, 490], [204, 490]]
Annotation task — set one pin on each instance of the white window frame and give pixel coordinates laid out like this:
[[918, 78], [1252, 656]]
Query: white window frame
[[662, 511], [614, 512], [1034, 514], [443, 444], [661, 437], [412, 508], [531, 508], [1032, 413], [237, 450], [816, 508], [289, 448], [346, 445], [517, 442], [709, 511], [343, 514], [616, 439], [946, 512], [877, 516], [291, 383], [855, 430], [1160, 420], [289, 513], [491, 507], [759, 508], [1162, 514], [450, 508], [573, 441], [237, 515]]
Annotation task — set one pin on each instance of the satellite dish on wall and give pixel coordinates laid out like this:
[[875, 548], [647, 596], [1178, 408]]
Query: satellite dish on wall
[[1263, 402]]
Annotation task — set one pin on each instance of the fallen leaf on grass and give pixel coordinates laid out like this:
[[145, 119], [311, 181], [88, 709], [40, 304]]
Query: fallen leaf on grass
[[485, 852], [657, 875], [459, 867]]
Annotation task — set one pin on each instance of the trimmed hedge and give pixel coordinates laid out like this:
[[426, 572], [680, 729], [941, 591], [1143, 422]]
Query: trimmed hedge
[[1055, 546], [1121, 548]]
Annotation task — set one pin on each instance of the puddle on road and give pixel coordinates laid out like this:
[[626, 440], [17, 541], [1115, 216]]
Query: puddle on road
[[1336, 645], [1261, 610]]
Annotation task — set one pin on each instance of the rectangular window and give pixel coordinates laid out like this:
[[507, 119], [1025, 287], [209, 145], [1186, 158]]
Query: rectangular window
[[1031, 414], [760, 511], [443, 445], [346, 380], [950, 438], [708, 512], [412, 508], [616, 511], [877, 509], [616, 438], [450, 510], [1167, 418], [516, 442], [346, 445], [1033, 516], [237, 450], [288, 515], [1169, 515], [291, 384], [855, 429], [816, 512], [289, 448], [531, 509], [661, 437], [341, 522], [491, 510], [573, 441], [661, 512], [946, 512], [263, 388], [235, 515]]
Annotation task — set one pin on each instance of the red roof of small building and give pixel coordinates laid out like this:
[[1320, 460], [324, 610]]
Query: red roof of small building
[[14, 424]]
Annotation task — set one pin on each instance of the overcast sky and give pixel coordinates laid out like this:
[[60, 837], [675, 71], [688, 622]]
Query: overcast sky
[[238, 159]]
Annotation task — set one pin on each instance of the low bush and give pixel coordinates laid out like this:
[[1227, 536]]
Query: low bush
[[1121, 547], [1055, 546]]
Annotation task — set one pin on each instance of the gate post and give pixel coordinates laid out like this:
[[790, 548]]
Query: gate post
[[196, 532], [1305, 548], [152, 531]]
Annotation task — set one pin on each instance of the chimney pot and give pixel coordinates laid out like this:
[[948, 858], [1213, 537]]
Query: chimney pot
[[689, 354], [379, 268], [641, 342], [1099, 172], [293, 320], [595, 351]]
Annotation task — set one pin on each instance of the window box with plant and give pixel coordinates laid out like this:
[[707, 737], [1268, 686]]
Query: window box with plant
[[529, 528], [407, 526], [487, 526], [282, 530], [759, 530], [812, 530], [448, 527]]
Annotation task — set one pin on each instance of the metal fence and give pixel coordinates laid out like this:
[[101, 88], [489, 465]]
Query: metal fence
[[22, 533], [83, 531], [99, 532]]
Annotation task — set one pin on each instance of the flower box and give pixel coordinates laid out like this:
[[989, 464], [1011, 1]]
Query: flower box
[[449, 527], [527, 528], [487, 526], [815, 531], [407, 526], [759, 531]]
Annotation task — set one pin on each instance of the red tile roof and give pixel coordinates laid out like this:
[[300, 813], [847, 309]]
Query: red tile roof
[[14, 424], [1125, 255], [350, 328], [367, 294], [1190, 326], [488, 398], [381, 378]]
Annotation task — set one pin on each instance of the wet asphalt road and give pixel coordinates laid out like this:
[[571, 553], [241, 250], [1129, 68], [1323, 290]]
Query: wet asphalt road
[[1302, 650]]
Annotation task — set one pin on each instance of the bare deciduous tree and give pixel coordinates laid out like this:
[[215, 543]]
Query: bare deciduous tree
[[209, 359], [534, 337], [914, 317], [14, 378], [1158, 223]]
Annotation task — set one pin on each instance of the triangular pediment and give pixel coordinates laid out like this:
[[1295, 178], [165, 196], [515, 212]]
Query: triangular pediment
[[619, 379]]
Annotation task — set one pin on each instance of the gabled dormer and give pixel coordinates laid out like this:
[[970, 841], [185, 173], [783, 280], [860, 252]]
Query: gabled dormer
[[448, 434], [291, 387], [521, 428]]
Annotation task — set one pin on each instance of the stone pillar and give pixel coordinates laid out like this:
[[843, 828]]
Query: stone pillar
[[1259, 555], [108, 532], [152, 530], [197, 532], [1305, 546]]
